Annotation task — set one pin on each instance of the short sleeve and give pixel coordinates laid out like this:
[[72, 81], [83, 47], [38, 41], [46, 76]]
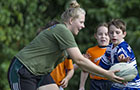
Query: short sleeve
[[68, 64], [64, 38], [104, 62]]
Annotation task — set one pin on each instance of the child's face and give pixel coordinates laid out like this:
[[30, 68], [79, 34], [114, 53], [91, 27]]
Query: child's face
[[102, 36], [116, 35]]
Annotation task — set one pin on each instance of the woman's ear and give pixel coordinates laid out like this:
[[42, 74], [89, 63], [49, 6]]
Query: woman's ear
[[70, 21]]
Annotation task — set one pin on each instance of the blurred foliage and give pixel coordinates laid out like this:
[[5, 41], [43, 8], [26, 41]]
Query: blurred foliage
[[20, 19]]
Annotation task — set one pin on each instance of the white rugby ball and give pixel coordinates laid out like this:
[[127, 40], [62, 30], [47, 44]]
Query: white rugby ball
[[127, 71]]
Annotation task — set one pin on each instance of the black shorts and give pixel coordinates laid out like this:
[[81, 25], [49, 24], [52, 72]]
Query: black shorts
[[20, 78], [100, 84]]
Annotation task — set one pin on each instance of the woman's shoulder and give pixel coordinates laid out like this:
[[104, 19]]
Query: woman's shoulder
[[61, 28]]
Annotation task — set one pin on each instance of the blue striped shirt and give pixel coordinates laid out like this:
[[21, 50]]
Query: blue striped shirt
[[111, 57]]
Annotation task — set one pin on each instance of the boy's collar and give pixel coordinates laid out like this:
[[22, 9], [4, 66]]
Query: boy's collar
[[102, 46]]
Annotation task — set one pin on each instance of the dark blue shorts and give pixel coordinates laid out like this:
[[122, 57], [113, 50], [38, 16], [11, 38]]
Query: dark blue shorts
[[20, 78], [100, 84]]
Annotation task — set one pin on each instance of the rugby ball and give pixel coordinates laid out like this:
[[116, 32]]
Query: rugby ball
[[127, 71]]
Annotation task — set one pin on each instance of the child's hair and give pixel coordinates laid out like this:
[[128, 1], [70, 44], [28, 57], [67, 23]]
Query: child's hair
[[118, 23], [73, 11], [50, 23], [102, 24]]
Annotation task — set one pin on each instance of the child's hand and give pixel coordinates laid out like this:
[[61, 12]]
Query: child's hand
[[82, 88], [122, 58], [86, 55], [64, 83]]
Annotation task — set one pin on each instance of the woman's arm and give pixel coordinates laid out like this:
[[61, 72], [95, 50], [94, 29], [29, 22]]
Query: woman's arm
[[87, 65]]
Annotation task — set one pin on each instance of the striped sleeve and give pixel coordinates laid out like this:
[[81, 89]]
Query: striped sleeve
[[104, 63]]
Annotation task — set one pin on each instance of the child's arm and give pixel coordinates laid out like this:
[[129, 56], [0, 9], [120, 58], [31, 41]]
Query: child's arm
[[83, 79], [64, 82]]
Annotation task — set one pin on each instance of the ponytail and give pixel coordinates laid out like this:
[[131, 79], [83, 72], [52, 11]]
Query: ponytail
[[73, 11]]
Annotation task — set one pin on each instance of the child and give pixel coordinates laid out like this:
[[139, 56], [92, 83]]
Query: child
[[63, 73], [117, 51], [94, 54]]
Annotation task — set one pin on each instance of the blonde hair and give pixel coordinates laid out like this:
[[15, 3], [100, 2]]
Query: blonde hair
[[74, 4], [73, 11]]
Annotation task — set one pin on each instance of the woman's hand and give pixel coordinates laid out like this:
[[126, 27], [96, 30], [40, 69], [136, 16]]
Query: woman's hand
[[111, 76]]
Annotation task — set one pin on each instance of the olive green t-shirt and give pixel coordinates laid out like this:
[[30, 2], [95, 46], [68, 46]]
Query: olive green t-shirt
[[47, 49]]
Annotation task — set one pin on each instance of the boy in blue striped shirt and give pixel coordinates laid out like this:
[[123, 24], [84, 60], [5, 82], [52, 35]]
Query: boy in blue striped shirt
[[119, 51]]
